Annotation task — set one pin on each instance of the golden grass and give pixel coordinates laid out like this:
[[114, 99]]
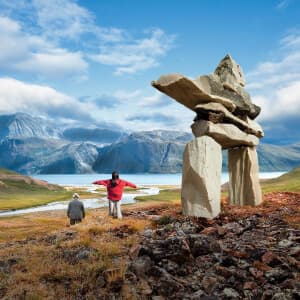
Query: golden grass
[[117, 274], [44, 271], [20, 227]]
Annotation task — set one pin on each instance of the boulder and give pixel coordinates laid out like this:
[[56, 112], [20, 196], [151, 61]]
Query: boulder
[[201, 178], [227, 135], [231, 74], [255, 126], [246, 124], [141, 266], [244, 187]]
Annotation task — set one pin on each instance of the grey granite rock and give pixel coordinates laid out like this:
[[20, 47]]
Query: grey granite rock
[[244, 187], [201, 178]]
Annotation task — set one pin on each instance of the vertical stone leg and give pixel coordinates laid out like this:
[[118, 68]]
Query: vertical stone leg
[[244, 186], [201, 178]]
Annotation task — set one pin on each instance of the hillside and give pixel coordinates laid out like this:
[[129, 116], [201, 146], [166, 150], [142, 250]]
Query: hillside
[[19, 191], [7, 172], [278, 158], [287, 182]]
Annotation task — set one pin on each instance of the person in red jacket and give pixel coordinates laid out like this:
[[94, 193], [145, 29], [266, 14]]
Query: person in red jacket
[[115, 187]]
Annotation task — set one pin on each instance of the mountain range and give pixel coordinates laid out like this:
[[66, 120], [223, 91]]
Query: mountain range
[[33, 145]]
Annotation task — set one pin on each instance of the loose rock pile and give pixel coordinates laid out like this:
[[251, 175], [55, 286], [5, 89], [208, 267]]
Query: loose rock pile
[[253, 258], [225, 120]]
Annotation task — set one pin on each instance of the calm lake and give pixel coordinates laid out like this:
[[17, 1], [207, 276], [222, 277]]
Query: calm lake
[[138, 179], [146, 181]]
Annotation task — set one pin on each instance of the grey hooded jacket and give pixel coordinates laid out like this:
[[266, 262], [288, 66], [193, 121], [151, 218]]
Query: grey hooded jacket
[[76, 210]]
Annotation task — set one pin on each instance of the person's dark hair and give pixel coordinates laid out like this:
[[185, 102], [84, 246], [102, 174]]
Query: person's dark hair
[[114, 178]]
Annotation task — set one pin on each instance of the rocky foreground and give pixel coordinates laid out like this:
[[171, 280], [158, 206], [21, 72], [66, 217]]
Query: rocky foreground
[[238, 255], [156, 253]]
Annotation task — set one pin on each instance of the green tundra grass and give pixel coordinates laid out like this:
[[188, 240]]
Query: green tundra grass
[[17, 191], [289, 182], [18, 194]]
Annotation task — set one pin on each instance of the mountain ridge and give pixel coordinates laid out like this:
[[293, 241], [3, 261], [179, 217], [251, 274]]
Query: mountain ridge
[[33, 145]]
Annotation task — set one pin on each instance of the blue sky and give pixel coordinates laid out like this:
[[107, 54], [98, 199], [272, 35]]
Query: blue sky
[[90, 63]]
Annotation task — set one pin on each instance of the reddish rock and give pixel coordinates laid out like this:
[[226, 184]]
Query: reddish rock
[[256, 273], [293, 261], [261, 266], [290, 284], [249, 285], [225, 272], [270, 258], [209, 230], [239, 254]]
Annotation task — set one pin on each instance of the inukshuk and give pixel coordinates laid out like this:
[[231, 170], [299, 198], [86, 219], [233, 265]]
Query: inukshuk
[[225, 120]]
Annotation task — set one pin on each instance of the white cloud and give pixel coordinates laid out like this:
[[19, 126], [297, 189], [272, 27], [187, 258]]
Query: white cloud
[[55, 63], [9, 26], [137, 110], [285, 103], [16, 96], [29, 53], [275, 85], [127, 95], [135, 55], [59, 20], [279, 72], [65, 19], [151, 100], [157, 99], [292, 40], [41, 36], [62, 19]]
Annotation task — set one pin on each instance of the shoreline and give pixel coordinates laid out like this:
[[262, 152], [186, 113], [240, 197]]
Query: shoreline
[[89, 191], [95, 197]]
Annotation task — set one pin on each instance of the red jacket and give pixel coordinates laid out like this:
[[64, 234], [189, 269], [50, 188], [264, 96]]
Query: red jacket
[[115, 193]]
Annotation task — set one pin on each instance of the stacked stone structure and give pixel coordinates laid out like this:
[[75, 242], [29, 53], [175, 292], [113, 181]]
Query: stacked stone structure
[[224, 120]]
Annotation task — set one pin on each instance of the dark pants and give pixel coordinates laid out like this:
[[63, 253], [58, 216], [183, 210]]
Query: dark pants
[[74, 221]]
